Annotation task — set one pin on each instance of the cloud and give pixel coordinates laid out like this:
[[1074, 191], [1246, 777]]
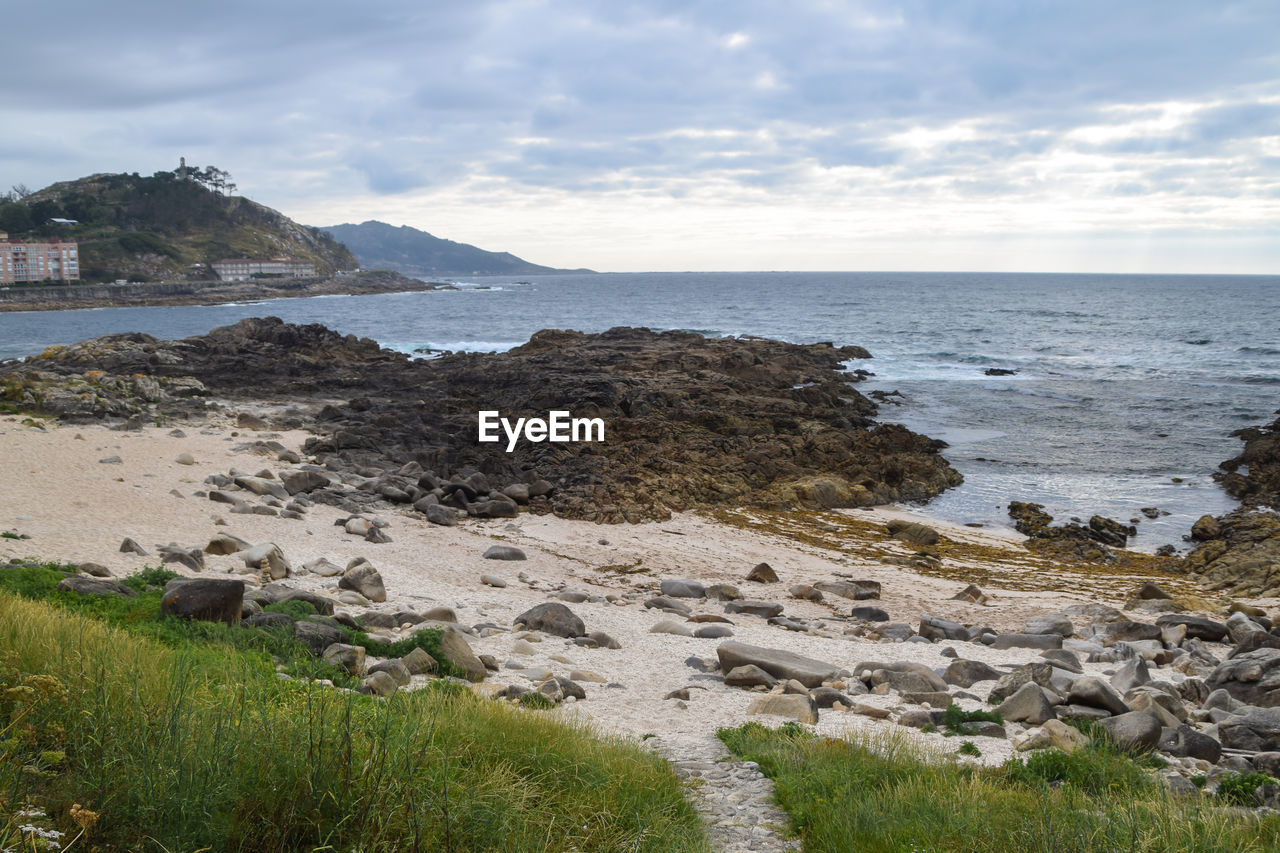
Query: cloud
[[616, 101]]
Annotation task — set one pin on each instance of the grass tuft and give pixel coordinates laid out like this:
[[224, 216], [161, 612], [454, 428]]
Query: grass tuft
[[886, 794]]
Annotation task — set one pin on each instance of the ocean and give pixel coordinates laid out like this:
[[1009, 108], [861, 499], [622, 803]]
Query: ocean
[[1121, 391]]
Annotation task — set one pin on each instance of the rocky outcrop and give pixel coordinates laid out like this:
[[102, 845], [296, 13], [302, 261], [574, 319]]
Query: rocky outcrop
[[1259, 485], [1091, 543], [1244, 559], [690, 421]]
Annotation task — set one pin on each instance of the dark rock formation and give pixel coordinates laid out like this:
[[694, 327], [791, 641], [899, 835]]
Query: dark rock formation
[[690, 421], [1245, 558], [1090, 543], [1260, 484]]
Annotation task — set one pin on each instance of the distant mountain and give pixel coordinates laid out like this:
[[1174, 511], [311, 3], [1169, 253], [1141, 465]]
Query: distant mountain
[[407, 250], [158, 227]]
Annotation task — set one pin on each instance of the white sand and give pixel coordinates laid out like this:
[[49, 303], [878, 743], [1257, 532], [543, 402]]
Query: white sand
[[75, 508]]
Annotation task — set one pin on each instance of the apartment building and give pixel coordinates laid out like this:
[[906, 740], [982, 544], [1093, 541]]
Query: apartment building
[[29, 260], [243, 269]]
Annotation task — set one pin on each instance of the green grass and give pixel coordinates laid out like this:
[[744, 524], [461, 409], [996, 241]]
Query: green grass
[[201, 747], [1238, 788], [889, 795]]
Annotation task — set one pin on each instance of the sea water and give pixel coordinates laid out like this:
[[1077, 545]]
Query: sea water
[[1122, 391]]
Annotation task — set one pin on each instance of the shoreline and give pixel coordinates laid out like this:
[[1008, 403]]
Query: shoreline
[[169, 294]]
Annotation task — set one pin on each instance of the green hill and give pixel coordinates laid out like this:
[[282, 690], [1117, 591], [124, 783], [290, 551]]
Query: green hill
[[413, 252], [160, 227]]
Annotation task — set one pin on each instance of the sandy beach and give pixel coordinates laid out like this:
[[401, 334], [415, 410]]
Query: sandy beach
[[77, 491]]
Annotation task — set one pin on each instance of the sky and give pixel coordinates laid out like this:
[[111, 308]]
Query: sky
[[1002, 135]]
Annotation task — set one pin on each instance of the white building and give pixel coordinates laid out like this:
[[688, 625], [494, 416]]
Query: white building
[[243, 269]]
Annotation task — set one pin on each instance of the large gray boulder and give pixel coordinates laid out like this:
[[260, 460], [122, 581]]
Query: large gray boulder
[[553, 618], [1096, 693], [317, 636], [503, 552], [1257, 730], [1028, 704], [683, 588], [204, 599], [1008, 684], [778, 663], [363, 578], [790, 705], [965, 673], [1252, 677], [1134, 731], [270, 556], [1050, 623], [933, 628], [303, 481], [455, 649], [82, 585], [1198, 627], [857, 590]]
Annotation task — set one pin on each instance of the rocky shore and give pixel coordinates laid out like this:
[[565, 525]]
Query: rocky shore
[[273, 463], [691, 421], [136, 294]]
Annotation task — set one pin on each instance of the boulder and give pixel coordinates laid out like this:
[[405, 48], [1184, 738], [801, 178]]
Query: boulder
[[448, 517], [94, 570], [493, 581], [762, 573], [225, 543], [1133, 673], [503, 552], [558, 689], [683, 589], [419, 662], [1064, 737], [1063, 659], [1186, 742], [671, 626], [1125, 631], [789, 705], [713, 632], [192, 558], [669, 604], [295, 482], [363, 578], [394, 668], [1050, 623], [1027, 641], [1133, 731], [932, 628], [1252, 677], [1096, 693], [1198, 627], [82, 585], [262, 487], [345, 656], [778, 663], [455, 649], [204, 599], [128, 546], [1256, 730], [971, 594], [966, 673], [1008, 684], [1028, 704], [856, 590], [316, 636], [763, 609], [748, 676], [1206, 529], [915, 533], [552, 618], [380, 684], [277, 566], [869, 614]]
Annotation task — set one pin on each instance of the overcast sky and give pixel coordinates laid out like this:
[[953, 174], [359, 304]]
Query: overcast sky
[[1117, 136]]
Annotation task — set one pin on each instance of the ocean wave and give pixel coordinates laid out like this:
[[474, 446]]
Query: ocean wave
[[1199, 342], [1258, 350], [453, 346]]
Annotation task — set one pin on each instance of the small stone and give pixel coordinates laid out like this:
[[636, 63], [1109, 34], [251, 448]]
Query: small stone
[[493, 581]]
